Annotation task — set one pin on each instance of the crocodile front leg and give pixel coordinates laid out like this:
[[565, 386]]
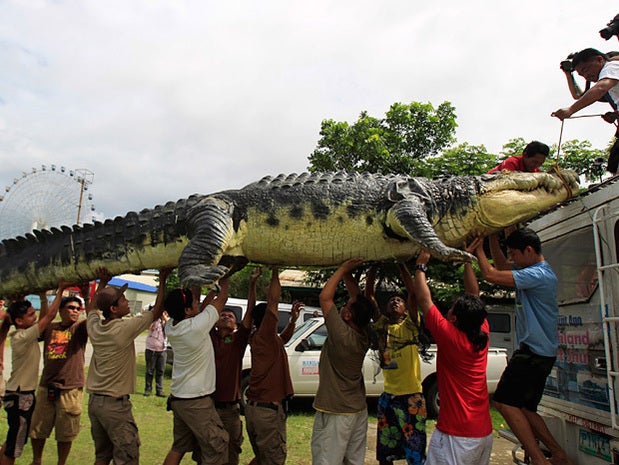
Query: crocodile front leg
[[408, 219], [210, 230]]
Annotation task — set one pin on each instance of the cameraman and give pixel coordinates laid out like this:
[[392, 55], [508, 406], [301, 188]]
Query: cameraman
[[594, 66]]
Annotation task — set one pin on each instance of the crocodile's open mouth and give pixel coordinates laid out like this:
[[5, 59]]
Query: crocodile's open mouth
[[509, 199]]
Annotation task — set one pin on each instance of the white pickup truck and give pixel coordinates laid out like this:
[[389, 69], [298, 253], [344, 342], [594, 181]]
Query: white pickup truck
[[304, 353]]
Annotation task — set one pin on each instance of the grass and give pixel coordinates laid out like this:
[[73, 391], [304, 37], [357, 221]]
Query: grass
[[155, 425]]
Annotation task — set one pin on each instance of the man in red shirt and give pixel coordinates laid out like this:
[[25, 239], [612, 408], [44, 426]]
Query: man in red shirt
[[533, 156], [463, 433]]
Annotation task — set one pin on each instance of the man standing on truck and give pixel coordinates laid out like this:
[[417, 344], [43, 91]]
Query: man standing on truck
[[595, 66], [522, 383], [339, 434]]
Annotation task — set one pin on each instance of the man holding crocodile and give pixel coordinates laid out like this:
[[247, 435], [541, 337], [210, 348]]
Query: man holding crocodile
[[522, 383]]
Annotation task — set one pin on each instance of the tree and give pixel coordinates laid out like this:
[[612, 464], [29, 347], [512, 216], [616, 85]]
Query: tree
[[512, 148], [461, 160], [239, 283], [581, 157], [409, 132]]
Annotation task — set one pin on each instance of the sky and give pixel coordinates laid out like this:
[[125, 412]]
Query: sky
[[165, 98]]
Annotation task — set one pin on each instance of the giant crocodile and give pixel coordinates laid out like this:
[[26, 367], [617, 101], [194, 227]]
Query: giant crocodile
[[312, 220]]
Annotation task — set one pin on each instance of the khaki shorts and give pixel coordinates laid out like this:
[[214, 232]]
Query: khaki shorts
[[266, 429], [198, 429], [230, 416], [114, 430], [339, 438], [63, 415]]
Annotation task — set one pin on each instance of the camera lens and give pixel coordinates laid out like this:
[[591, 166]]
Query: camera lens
[[606, 33], [611, 29]]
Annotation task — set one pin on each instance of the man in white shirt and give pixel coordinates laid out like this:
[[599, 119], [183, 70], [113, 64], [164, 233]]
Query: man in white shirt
[[595, 66], [197, 427]]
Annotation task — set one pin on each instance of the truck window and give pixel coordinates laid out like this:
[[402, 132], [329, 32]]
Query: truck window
[[317, 338], [572, 257], [499, 322]]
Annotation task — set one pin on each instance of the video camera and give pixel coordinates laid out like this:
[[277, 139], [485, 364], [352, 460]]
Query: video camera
[[567, 65], [611, 29]]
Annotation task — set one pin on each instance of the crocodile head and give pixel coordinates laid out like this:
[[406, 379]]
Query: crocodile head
[[501, 200], [459, 208], [512, 197]]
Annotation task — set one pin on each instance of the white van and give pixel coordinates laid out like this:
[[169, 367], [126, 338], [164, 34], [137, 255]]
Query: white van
[[239, 306]]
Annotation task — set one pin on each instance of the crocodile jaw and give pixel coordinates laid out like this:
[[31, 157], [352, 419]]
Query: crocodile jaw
[[511, 199]]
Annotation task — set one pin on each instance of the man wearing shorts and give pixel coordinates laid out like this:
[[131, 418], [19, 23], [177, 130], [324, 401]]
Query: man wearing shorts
[[112, 372], [230, 342], [401, 408], [19, 398], [197, 427], [59, 396], [522, 383], [340, 429], [269, 382]]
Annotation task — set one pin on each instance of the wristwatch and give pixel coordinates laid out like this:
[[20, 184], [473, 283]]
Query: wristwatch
[[422, 267]]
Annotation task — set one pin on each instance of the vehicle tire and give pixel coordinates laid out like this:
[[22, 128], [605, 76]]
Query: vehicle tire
[[244, 387], [432, 400]]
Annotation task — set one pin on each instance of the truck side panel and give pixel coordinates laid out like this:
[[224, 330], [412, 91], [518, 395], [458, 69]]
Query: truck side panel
[[577, 400]]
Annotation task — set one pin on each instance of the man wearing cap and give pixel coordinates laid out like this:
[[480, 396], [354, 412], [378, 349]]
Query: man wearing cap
[[112, 373]]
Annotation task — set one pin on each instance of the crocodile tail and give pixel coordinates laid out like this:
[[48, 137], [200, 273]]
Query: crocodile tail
[[153, 238]]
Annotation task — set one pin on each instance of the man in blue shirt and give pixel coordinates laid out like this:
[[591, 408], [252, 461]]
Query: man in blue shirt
[[522, 383]]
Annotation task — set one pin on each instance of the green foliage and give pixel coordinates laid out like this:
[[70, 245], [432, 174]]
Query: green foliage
[[408, 132], [513, 148], [173, 282], [581, 157], [239, 283], [463, 159]]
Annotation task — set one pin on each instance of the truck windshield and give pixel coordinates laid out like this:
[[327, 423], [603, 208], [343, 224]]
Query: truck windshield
[[301, 330]]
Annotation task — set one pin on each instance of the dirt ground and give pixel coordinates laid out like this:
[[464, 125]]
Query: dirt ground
[[501, 449]]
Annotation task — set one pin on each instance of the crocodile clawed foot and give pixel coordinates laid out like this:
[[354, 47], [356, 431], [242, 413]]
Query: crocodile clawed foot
[[201, 275], [460, 256]]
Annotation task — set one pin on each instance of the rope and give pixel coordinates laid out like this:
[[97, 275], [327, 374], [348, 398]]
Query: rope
[[557, 169], [559, 144], [586, 116]]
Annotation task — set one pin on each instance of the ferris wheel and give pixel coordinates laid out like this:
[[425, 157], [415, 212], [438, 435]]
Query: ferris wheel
[[44, 198]]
